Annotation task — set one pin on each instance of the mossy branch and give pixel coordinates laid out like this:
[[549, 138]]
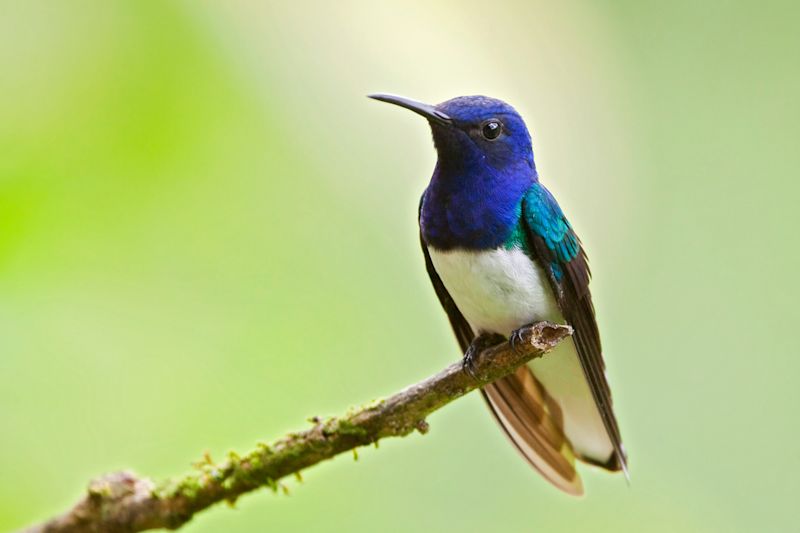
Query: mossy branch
[[124, 502]]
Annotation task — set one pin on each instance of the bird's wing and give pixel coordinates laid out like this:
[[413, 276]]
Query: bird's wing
[[555, 245], [519, 403]]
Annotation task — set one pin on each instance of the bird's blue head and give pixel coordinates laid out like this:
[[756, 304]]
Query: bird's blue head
[[485, 166], [475, 132]]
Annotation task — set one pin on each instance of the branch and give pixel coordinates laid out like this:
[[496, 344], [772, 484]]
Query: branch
[[124, 502]]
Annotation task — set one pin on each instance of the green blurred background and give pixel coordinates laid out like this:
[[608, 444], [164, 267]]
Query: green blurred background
[[208, 234]]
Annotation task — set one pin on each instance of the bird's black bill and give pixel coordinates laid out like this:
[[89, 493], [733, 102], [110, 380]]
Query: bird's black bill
[[426, 110]]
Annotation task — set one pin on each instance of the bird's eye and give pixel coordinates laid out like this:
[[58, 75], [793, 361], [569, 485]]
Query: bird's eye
[[491, 129]]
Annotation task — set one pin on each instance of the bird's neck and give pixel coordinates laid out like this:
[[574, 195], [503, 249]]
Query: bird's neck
[[473, 206]]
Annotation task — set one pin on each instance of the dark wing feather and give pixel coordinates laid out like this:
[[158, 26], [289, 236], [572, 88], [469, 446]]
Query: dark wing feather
[[557, 247]]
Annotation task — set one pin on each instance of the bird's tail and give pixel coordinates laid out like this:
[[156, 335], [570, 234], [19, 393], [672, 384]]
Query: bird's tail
[[534, 423]]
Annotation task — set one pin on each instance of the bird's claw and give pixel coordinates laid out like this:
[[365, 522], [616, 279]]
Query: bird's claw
[[468, 363], [516, 340], [479, 344]]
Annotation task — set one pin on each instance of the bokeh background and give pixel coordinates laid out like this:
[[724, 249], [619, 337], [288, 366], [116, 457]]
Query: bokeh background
[[208, 234]]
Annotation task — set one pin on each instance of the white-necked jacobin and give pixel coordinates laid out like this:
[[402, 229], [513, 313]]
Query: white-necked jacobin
[[501, 255]]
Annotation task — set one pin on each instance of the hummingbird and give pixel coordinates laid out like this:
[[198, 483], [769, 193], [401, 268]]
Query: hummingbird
[[501, 255]]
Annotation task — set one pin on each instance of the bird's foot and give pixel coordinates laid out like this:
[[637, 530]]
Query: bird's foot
[[516, 339], [479, 344]]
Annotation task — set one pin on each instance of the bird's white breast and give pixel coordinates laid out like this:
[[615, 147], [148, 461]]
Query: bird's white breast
[[497, 291]]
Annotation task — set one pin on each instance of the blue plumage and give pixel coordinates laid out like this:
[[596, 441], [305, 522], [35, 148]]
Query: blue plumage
[[473, 198]]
